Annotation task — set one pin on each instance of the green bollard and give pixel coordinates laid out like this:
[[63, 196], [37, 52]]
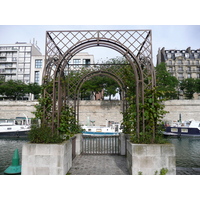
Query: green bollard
[[15, 168]]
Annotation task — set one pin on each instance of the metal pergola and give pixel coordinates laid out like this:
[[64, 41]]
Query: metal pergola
[[61, 46]]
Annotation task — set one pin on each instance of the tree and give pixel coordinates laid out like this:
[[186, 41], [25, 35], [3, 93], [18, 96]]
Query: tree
[[34, 89], [97, 84], [189, 87], [166, 83], [197, 85], [13, 89]]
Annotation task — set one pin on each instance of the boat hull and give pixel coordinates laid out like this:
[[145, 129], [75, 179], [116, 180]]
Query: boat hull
[[14, 134], [99, 133], [181, 131]]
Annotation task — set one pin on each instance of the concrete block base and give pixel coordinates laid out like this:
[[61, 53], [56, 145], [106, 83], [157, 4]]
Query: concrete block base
[[149, 159], [46, 159]]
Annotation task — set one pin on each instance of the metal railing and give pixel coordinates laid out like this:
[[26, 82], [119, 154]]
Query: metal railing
[[100, 144]]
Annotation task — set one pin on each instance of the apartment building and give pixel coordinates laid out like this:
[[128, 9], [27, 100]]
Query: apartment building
[[16, 61], [82, 58], [24, 61], [181, 63]]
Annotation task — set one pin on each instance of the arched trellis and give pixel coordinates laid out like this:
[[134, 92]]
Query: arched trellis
[[98, 73], [61, 46]]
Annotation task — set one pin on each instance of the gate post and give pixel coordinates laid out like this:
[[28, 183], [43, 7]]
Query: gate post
[[78, 143], [122, 144]]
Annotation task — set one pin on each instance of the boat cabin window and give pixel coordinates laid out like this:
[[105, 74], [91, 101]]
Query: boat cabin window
[[174, 130], [9, 128], [184, 130], [89, 129]]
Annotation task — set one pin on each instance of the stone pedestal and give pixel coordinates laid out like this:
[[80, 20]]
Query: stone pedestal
[[46, 159], [79, 143], [150, 159]]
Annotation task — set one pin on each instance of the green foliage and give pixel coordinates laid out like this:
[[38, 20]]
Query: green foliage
[[97, 84], [163, 171], [35, 89], [153, 112], [189, 87], [67, 123], [139, 173], [42, 135], [16, 89], [13, 89], [166, 83]]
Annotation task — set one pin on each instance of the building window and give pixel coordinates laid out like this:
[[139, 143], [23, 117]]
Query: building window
[[187, 55], [180, 69], [86, 62], [38, 63], [187, 62], [77, 61], [37, 77], [169, 62], [3, 59], [196, 55], [178, 54], [197, 62], [189, 76], [179, 62]]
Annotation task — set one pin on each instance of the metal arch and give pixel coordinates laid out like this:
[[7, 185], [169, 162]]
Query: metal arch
[[103, 43], [134, 45], [130, 57], [93, 74]]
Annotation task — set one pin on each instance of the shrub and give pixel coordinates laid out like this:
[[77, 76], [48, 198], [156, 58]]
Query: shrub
[[43, 135]]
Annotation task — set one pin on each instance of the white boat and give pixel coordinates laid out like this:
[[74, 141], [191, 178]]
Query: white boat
[[18, 127], [101, 130]]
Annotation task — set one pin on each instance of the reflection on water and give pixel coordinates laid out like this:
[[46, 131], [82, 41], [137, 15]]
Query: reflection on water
[[187, 153], [7, 148]]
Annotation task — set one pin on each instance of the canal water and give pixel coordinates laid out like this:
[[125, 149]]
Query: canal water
[[187, 154], [7, 148]]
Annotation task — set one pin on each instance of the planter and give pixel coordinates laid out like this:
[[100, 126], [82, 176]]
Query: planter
[[46, 159], [150, 159]]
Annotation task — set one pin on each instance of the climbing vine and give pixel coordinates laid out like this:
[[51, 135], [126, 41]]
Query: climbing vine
[[153, 112], [45, 133]]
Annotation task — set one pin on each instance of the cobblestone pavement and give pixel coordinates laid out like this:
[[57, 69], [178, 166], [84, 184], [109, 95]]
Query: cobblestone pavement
[[111, 165], [99, 165]]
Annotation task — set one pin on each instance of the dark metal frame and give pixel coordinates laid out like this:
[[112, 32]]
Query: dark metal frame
[[61, 46]]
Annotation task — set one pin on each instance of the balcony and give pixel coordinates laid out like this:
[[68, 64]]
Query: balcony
[[8, 49]]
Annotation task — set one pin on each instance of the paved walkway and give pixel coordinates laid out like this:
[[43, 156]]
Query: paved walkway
[[99, 165], [111, 165]]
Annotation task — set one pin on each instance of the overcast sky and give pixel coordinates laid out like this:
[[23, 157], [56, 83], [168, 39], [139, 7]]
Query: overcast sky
[[168, 36], [33, 20]]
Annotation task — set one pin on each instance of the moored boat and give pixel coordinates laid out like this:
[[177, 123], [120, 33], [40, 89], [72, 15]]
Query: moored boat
[[101, 130], [186, 128], [16, 128]]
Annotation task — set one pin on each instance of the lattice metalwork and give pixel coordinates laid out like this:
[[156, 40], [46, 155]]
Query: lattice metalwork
[[61, 46]]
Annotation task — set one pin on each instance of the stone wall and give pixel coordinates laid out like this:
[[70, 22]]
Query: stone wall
[[189, 109], [100, 111], [13, 109], [103, 111]]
